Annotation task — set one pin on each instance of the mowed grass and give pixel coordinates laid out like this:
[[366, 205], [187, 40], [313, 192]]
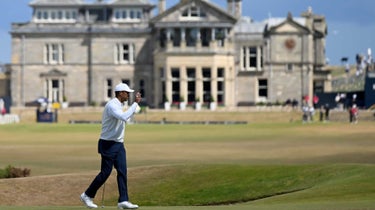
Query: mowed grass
[[254, 166]]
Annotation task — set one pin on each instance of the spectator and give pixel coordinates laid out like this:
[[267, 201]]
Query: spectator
[[353, 114], [2, 107], [306, 99], [315, 101], [288, 102], [311, 113], [337, 100], [326, 107], [294, 103], [305, 114]]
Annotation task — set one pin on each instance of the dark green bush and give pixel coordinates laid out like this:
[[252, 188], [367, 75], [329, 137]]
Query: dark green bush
[[12, 172]]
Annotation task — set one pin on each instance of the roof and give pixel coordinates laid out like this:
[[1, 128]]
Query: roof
[[204, 2], [96, 2], [129, 2], [271, 22], [76, 29], [245, 25], [56, 2]]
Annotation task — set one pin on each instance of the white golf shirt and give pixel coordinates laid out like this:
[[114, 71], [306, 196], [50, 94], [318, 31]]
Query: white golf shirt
[[113, 120]]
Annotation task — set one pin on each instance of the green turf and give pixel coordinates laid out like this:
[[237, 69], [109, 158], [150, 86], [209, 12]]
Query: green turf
[[255, 166], [233, 184]]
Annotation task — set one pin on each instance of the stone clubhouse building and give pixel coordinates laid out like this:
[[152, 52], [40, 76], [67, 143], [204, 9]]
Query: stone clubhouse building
[[77, 51]]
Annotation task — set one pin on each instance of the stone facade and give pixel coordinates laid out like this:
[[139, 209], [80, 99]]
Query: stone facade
[[195, 50]]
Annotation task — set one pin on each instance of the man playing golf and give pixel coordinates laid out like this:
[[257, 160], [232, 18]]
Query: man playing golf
[[111, 147]]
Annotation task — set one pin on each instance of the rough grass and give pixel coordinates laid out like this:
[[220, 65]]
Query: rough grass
[[288, 165]]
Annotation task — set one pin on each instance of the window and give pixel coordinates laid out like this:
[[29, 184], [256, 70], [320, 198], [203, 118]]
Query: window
[[191, 36], [193, 12], [251, 58], [127, 15], [205, 34], [109, 89], [142, 88], [220, 86], [125, 54], [60, 15], [262, 89], [54, 89], [318, 86], [191, 84], [175, 85], [289, 67], [139, 14], [45, 15], [55, 16], [126, 81], [206, 73], [220, 36], [39, 15], [162, 79], [54, 53], [176, 37]]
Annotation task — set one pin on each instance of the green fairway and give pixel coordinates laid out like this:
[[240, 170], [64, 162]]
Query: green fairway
[[254, 166]]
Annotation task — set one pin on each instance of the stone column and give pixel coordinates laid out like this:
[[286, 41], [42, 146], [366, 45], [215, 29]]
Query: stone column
[[199, 83], [183, 83], [183, 38], [214, 82], [168, 82]]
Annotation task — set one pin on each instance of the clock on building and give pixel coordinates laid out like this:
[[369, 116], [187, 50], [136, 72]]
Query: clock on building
[[290, 43]]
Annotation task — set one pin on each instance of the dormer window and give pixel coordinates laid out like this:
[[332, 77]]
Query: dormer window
[[127, 15], [193, 12], [55, 15]]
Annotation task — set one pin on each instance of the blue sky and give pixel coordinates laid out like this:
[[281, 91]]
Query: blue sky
[[351, 23]]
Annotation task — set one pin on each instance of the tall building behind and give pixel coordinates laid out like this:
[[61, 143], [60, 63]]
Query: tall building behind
[[78, 51]]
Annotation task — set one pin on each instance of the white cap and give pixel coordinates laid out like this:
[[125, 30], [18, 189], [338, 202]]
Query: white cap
[[123, 87]]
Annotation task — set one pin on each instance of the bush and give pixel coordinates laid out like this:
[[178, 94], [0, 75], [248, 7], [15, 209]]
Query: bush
[[12, 172]]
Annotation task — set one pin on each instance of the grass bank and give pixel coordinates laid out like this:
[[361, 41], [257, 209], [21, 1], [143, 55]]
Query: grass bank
[[253, 166]]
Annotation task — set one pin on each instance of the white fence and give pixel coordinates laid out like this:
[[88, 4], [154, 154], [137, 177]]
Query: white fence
[[9, 119]]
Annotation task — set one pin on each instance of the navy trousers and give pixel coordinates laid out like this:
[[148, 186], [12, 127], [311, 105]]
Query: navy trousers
[[113, 155]]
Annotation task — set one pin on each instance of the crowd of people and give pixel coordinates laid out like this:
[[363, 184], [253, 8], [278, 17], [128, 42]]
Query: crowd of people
[[310, 111]]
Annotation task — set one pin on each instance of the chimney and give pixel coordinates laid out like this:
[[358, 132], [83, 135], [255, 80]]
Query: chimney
[[161, 6], [309, 18], [230, 6], [238, 8]]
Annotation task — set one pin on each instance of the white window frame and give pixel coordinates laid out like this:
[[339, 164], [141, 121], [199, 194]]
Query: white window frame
[[108, 84], [55, 16], [54, 53], [120, 51], [193, 13], [221, 79], [54, 94], [246, 55], [121, 15]]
